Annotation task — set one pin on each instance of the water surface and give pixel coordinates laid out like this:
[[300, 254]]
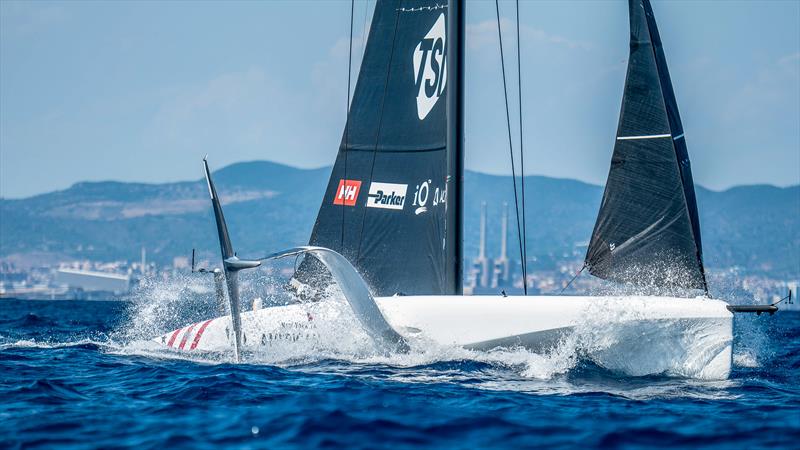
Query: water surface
[[72, 375]]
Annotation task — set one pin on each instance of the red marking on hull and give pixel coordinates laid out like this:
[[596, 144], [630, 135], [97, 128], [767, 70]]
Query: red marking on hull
[[173, 337], [186, 336], [199, 334]]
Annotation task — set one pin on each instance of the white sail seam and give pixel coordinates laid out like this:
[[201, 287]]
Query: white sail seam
[[423, 8], [651, 136]]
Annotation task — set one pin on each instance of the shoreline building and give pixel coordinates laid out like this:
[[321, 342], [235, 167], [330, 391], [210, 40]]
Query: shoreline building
[[480, 266], [83, 282], [489, 275], [501, 266]]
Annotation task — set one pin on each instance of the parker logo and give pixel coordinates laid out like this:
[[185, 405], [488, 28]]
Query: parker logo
[[347, 192], [387, 195], [430, 67]]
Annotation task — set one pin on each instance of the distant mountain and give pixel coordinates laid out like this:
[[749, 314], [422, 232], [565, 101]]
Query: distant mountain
[[271, 206], [267, 205]]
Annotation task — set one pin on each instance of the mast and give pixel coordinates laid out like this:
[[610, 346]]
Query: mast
[[455, 146]]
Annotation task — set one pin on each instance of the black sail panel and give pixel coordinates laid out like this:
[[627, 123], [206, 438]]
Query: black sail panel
[[647, 231], [676, 126], [384, 207]]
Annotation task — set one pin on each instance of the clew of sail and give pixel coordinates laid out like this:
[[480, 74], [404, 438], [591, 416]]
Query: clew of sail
[[647, 231], [385, 207]]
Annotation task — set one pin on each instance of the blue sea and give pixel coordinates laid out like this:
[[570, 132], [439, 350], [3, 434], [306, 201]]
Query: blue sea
[[71, 376]]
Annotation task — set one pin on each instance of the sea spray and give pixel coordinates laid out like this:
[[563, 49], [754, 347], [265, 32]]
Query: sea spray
[[611, 334]]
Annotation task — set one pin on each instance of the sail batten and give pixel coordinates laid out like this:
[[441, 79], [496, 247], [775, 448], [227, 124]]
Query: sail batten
[[652, 136], [647, 231]]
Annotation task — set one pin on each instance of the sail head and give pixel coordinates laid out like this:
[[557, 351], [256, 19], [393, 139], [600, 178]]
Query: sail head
[[647, 231]]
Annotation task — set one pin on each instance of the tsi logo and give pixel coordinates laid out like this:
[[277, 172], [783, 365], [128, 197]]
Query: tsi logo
[[430, 68], [387, 195], [347, 192]]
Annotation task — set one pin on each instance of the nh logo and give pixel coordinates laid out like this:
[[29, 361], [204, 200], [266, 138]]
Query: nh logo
[[347, 192], [430, 68]]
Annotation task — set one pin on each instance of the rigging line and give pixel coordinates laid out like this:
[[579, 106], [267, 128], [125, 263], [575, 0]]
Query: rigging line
[[347, 120], [573, 279], [380, 125], [522, 158], [511, 150]]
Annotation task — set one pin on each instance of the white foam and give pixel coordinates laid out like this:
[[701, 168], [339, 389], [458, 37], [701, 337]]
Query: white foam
[[745, 359], [24, 343]]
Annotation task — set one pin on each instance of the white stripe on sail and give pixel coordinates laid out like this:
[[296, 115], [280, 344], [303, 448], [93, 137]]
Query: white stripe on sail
[[210, 192], [677, 137], [651, 136]]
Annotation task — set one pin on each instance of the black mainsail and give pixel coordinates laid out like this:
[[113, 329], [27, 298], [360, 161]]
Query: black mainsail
[[392, 205], [647, 231]]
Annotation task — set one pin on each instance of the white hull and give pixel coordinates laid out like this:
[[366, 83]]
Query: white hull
[[633, 335]]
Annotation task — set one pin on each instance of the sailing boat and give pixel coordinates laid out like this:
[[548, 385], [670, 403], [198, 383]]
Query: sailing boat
[[388, 232]]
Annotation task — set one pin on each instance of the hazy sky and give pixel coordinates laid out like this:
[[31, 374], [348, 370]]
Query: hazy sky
[[140, 91]]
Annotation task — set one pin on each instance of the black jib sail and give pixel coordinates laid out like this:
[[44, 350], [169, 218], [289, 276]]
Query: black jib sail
[[385, 208], [647, 231]]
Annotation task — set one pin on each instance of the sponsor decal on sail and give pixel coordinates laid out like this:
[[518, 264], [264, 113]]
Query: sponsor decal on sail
[[347, 192], [387, 195], [430, 68], [425, 195]]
